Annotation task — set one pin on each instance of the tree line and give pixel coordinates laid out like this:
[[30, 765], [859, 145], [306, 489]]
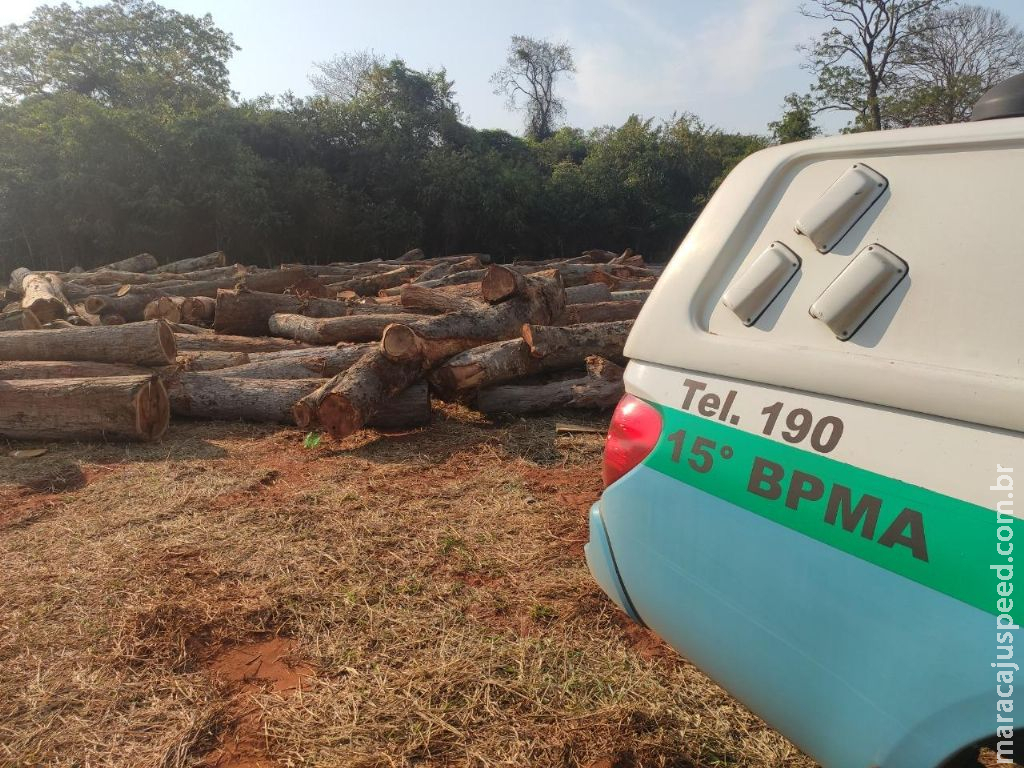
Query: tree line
[[119, 133]]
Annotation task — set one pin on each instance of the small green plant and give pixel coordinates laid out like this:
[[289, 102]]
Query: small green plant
[[312, 440]]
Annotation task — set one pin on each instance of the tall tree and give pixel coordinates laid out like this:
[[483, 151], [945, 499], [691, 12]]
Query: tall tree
[[345, 76], [857, 59], [797, 121], [121, 53], [960, 54], [530, 73]]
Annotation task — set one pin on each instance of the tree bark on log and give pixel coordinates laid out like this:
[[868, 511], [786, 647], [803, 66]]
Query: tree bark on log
[[119, 407], [164, 308], [432, 300], [573, 344], [43, 298], [209, 261], [450, 268], [150, 343], [555, 349], [19, 320], [587, 294], [640, 295], [210, 361], [248, 313], [500, 283], [59, 369], [331, 330], [602, 312], [216, 342], [212, 396], [315, 363], [131, 306], [345, 403], [198, 310], [601, 388], [143, 262], [371, 285], [435, 338]]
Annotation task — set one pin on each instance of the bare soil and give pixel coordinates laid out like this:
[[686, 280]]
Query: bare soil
[[226, 598]]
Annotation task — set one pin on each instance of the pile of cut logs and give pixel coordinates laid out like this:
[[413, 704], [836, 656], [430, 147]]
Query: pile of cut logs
[[113, 352]]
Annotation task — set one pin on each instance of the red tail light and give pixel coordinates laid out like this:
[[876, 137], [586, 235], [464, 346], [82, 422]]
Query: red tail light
[[634, 431]]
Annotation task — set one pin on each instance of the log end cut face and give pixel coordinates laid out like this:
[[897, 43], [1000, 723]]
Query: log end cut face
[[153, 410]]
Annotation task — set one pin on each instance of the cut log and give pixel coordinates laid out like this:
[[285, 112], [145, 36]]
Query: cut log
[[315, 363], [19, 320], [117, 277], [212, 396], [43, 298], [371, 285], [556, 349], [165, 308], [273, 280], [131, 306], [500, 283], [416, 254], [211, 361], [216, 342], [118, 407], [601, 312], [50, 369], [330, 330], [587, 294], [150, 343], [449, 268], [112, 320], [18, 276], [483, 366], [601, 388], [143, 262], [345, 403], [432, 300], [435, 338], [573, 344], [198, 310], [209, 261], [640, 295], [247, 313]]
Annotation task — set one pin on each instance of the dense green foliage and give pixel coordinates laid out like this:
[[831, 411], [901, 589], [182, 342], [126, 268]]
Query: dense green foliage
[[141, 159]]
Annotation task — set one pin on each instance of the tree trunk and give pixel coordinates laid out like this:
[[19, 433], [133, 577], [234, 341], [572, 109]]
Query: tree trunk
[[247, 313], [274, 280], [587, 294], [444, 269], [119, 407], [500, 283], [211, 361], [316, 363], [602, 312], [348, 401], [573, 344], [330, 330], [484, 366], [553, 349], [601, 388], [371, 285], [151, 343], [143, 262], [131, 306], [209, 261], [165, 308], [49, 369], [19, 320], [42, 298], [212, 396], [630, 295], [435, 338], [198, 310], [215, 342], [433, 300], [460, 278]]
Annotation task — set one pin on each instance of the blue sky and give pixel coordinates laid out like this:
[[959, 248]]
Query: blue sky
[[729, 61]]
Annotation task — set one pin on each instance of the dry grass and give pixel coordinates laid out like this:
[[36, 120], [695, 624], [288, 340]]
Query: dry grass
[[431, 583]]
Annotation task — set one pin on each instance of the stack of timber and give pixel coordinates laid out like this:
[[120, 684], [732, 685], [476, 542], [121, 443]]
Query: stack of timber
[[114, 352]]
